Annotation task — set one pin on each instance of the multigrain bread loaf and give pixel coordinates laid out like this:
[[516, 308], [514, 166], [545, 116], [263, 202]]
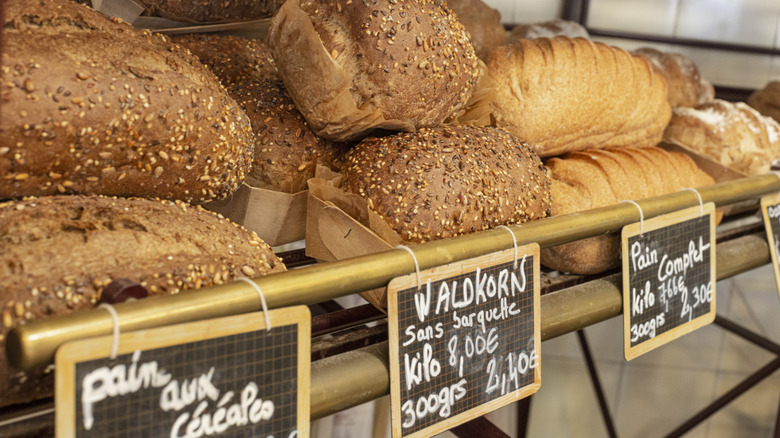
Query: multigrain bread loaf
[[767, 100], [352, 67], [447, 181], [286, 149], [208, 11], [58, 253], [600, 177], [686, 85], [564, 94], [733, 134], [548, 29], [482, 22], [112, 110]]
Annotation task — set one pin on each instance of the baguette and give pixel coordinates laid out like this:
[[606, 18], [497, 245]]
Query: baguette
[[598, 178], [563, 95]]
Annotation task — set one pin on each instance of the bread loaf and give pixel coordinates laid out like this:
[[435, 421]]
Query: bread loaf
[[205, 11], [686, 85], [733, 134], [58, 253], [564, 94], [112, 110], [482, 22], [548, 29], [597, 178], [767, 100], [447, 181], [286, 149], [352, 67]]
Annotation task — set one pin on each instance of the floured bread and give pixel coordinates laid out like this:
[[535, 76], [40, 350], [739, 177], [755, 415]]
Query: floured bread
[[686, 85], [548, 29], [733, 134]]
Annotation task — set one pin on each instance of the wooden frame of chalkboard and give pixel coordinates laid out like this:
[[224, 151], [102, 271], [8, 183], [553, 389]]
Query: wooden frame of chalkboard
[[504, 326], [652, 280], [213, 372], [770, 210]]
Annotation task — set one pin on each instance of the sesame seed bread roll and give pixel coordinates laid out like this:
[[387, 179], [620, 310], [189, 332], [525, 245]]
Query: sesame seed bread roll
[[287, 151], [448, 181], [562, 95], [112, 110], [598, 178], [355, 66], [58, 253]]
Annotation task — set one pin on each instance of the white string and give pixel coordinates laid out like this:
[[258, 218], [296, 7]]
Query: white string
[[115, 319], [701, 203], [514, 242], [416, 265], [641, 216], [262, 300]]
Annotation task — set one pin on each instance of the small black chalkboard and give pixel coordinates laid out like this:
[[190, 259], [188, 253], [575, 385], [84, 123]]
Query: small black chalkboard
[[222, 377], [466, 343], [668, 278], [770, 209]]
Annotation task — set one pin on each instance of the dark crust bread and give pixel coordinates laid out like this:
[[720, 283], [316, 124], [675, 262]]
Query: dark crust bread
[[57, 254], [352, 66], [686, 85], [447, 181], [113, 111], [286, 149], [212, 11], [482, 22]]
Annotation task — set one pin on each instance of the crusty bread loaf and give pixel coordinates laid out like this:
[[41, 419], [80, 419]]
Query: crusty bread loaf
[[112, 110], [564, 94], [733, 134], [482, 22], [206, 11], [234, 60], [548, 29], [286, 149], [767, 100], [58, 253], [447, 181], [686, 85], [352, 67], [597, 178]]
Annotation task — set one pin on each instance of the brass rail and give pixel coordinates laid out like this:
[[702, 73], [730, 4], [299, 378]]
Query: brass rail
[[35, 343]]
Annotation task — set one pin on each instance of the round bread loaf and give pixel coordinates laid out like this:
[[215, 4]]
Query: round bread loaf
[[548, 29], [234, 60], [482, 22], [767, 100], [205, 11], [286, 149], [58, 253], [91, 105], [355, 66], [447, 181], [686, 85]]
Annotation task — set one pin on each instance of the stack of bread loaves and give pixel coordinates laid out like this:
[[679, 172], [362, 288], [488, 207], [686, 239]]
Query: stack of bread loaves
[[111, 111]]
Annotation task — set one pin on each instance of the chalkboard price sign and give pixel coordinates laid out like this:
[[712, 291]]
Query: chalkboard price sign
[[770, 208], [464, 342], [668, 278], [225, 377]]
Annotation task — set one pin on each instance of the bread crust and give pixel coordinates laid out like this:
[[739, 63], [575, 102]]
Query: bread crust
[[447, 181], [212, 11], [358, 66], [57, 254], [686, 85], [112, 111]]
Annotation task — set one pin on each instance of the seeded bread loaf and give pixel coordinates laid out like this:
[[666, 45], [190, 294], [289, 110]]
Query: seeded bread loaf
[[564, 94], [58, 253], [287, 151], [350, 69], [686, 85], [207, 11], [548, 29], [448, 181], [600, 177], [113, 110], [733, 134], [482, 22]]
